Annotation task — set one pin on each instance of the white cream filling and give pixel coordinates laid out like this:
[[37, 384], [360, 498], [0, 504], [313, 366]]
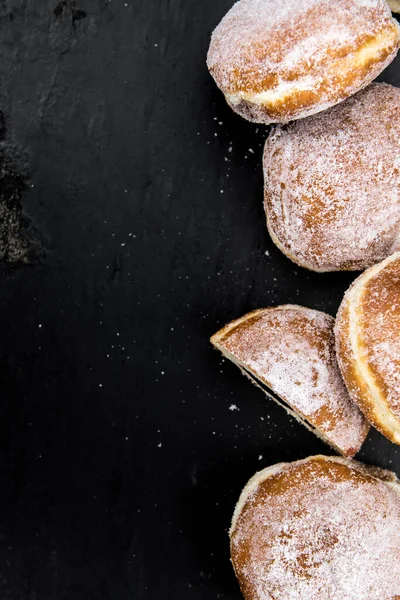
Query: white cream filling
[[346, 64], [283, 89]]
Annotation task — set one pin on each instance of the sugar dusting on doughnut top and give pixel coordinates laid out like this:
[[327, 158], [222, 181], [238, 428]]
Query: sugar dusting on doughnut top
[[262, 38], [332, 183], [272, 52], [321, 530], [379, 327], [291, 349]]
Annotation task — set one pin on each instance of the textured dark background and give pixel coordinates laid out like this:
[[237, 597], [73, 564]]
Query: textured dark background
[[131, 228]]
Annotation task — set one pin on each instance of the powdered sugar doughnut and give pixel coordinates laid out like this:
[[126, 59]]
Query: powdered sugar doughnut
[[278, 60], [368, 345], [332, 183], [318, 529], [289, 352]]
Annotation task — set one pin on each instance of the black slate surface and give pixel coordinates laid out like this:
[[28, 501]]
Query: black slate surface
[[134, 205]]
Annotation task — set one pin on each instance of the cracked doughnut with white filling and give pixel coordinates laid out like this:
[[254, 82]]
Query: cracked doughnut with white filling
[[281, 60]]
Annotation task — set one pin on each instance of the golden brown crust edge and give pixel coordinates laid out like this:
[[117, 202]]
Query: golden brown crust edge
[[355, 382], [221, 333], [356, 386]]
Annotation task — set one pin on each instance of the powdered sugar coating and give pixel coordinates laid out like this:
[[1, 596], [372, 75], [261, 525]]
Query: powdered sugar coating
[[291, 350], [319, 529], [332, 183], [276, 61]]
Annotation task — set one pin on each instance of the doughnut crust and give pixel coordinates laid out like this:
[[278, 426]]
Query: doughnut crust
[[281, 60], [332, 183], [323, 528], [289, 352], [368, 345]]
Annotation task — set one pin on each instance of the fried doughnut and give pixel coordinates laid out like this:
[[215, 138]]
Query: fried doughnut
[[322, 528], [289, 353], [368, 345], [395, 5], [332, 183], [281, 60]]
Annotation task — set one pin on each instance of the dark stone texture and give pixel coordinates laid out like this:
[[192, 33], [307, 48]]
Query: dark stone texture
[[120, 461], [13, 246]]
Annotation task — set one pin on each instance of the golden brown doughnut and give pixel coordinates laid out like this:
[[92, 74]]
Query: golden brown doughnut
[[278, 60], [368, 345], [332, 183], [289, 352], [322, 528]]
